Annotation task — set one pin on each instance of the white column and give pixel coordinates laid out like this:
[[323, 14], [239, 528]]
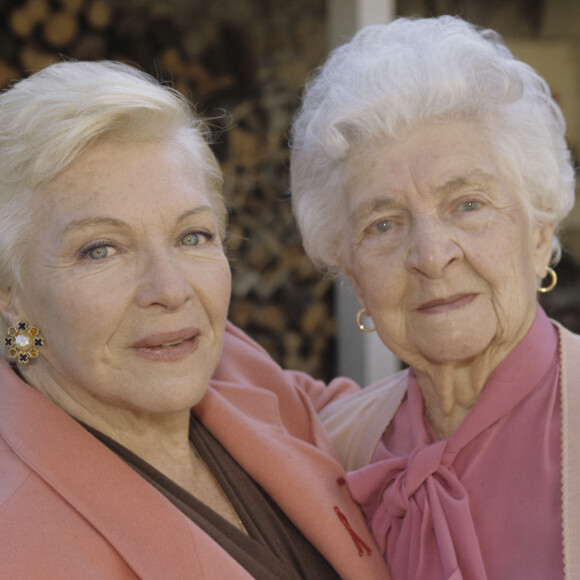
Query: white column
[[360, 355], [345, 17]]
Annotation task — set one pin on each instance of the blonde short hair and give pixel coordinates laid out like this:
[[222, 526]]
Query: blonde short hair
[[50, 118]]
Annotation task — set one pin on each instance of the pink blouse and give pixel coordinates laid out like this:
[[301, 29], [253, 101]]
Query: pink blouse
[[485, 503]]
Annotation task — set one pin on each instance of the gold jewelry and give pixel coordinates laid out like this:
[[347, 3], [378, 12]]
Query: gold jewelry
[[359, 322], [552, 284], [221, 489], [23, 342]]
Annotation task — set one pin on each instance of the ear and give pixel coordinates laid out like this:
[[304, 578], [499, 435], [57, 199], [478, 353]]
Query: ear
[[542, 248], [356, 286], [8, 310]]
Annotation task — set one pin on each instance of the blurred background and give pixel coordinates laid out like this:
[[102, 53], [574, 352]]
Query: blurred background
[[244, 62]]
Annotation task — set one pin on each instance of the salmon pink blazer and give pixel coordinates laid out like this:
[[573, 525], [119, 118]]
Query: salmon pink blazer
[[70, 508]]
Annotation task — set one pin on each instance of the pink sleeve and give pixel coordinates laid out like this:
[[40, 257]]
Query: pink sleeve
[[322, 394], [243, 357]]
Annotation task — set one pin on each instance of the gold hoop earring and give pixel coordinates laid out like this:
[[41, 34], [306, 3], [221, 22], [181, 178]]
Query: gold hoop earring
[[360, 324], [552, 284], [23, 342]]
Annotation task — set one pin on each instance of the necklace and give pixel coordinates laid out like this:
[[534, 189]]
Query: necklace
[[241, 525]]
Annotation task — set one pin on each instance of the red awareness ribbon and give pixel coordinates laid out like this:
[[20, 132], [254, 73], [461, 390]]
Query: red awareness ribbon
[[358, 542]]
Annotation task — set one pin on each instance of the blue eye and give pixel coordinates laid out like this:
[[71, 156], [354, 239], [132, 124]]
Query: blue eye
[[470, 205], [384, 226], [98, 251], [196, 238]]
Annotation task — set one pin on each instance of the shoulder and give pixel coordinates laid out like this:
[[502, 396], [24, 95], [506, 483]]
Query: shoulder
[[15, 474], [356, 423], [246, 364], [569, 345], [42, 535], [569, 341], [375, 399], [241, 354]]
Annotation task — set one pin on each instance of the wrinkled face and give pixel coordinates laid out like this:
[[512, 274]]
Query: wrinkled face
[[127, 280], [443, 254]]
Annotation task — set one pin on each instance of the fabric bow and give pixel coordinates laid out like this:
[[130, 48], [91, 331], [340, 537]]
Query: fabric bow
[[413, 499]]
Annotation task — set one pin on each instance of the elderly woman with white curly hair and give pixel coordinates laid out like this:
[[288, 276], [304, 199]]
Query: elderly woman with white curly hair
[[430, 167], [141, 434]]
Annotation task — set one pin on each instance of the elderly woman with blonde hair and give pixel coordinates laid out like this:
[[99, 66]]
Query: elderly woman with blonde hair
[[430, 166], [141, 434]]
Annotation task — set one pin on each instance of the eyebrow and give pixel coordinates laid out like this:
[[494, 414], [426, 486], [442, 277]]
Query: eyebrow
[[90, 222], [490, 183], [474, 178], [369, 207], [202, 209], [95, 221]]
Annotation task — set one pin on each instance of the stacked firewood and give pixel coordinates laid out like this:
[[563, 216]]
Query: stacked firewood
[[37, 31], [239, 56], [278, 297]]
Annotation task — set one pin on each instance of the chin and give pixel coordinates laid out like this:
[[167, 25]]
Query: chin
[[457, 348]]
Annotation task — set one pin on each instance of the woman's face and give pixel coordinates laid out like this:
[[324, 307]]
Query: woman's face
[[127, 281], [443, 254]]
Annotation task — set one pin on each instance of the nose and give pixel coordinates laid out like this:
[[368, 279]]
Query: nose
[[432, 247], [164, 282]]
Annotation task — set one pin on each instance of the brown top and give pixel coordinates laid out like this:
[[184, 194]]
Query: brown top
[[274, 549]]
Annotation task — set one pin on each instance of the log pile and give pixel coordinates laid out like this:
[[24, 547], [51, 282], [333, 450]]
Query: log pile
[[243, 57], [278, 295], [38, 31]]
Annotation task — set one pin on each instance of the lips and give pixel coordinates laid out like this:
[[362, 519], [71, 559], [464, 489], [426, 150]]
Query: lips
[[447, 303], [168, 346]]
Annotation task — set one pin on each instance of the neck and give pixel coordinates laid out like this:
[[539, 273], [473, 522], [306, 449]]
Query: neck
[[449, 392], [155, 437], [162, 441]]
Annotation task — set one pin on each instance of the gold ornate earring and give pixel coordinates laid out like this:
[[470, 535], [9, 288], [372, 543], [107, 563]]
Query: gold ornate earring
[[553, 281], [23, 342], [359, 322]]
